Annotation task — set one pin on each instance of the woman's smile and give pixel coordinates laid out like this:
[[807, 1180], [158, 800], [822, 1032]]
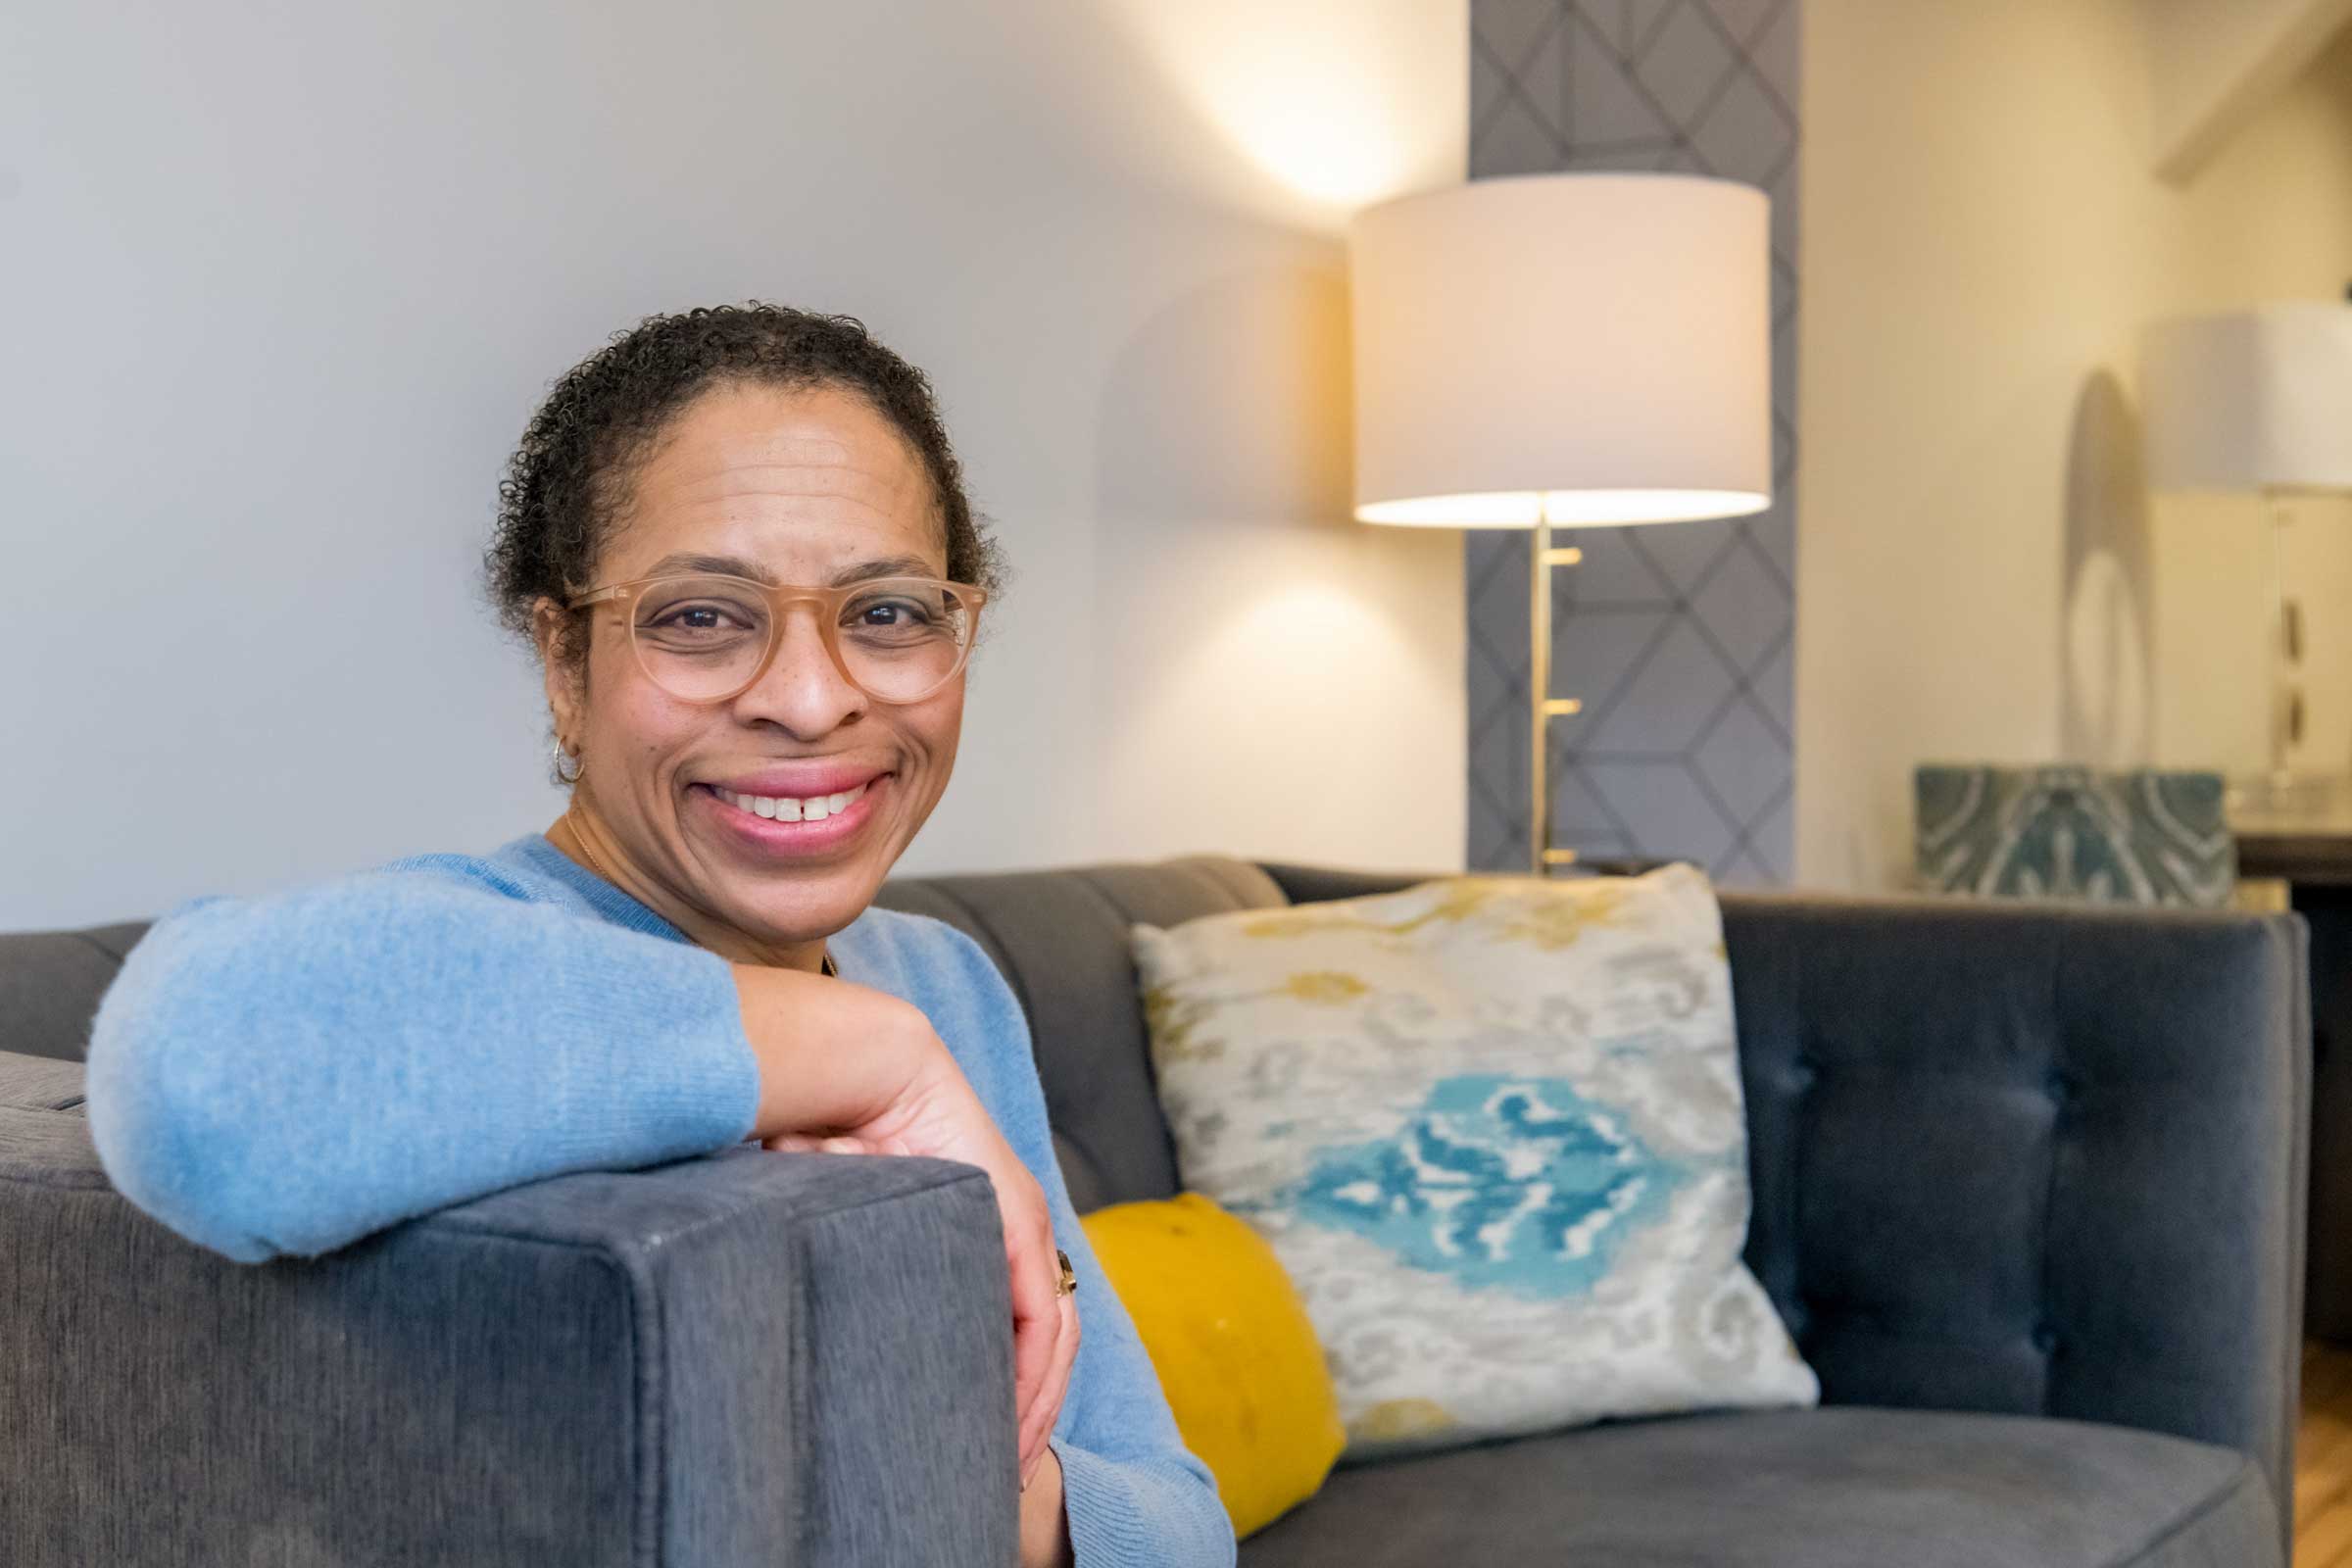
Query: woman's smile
[[788, 827]]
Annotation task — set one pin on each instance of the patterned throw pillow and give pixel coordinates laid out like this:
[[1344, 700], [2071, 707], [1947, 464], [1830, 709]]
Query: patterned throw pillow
[[1491, 1126]]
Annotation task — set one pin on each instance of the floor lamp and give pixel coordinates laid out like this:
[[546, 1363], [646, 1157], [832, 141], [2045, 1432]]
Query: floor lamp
[[1555, 352], [2258, 401]]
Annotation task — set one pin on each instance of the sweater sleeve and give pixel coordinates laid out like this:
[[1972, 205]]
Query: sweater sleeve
[[287, 1074], [1136, 1498]]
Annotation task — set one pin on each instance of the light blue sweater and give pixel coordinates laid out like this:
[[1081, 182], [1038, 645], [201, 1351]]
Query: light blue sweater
[[287, 1074]]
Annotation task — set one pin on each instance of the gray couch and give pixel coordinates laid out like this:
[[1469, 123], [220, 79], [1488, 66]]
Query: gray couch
[[2027, 1186]]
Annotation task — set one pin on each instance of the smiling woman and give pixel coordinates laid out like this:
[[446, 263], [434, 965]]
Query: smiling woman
[[738, 541]]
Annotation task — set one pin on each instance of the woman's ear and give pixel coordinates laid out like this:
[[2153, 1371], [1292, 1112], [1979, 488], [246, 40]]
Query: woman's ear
[[562, 662]]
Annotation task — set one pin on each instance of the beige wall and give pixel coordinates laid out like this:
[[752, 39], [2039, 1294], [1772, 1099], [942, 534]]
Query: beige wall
[[1984, 241], [285, 285], [2214, 65]]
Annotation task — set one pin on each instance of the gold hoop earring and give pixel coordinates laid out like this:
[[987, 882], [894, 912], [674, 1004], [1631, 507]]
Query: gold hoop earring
[[577, 766]]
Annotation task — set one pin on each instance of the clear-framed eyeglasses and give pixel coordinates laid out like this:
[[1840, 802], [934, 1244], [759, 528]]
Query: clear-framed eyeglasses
[[706, 637]]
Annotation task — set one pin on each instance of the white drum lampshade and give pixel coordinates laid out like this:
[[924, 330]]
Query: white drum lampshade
[[2251, 400], [1570, 349]]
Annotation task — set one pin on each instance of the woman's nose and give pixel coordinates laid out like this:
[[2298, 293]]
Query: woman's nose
[[802, 691]]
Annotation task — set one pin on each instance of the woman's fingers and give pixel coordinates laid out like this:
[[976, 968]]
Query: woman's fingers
[[1036, 1324], [1047, 1410], [810, 1144]]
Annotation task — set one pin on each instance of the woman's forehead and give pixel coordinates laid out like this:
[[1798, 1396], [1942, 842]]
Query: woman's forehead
[[808, 475]]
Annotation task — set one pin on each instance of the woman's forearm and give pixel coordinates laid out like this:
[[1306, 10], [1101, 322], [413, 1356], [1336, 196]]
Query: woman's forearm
[[288, 1074]]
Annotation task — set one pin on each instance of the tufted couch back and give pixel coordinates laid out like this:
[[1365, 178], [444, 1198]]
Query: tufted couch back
[[2006, 1157]]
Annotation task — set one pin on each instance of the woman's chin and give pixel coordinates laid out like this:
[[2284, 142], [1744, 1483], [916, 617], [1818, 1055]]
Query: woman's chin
[[790, 909]]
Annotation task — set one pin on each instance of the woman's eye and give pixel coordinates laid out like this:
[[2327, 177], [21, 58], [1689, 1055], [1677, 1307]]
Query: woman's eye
[[891, 613], [695, 618]]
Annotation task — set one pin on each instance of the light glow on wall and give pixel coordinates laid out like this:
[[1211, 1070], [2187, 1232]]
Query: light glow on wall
[[1290, 658], [1337, 113]]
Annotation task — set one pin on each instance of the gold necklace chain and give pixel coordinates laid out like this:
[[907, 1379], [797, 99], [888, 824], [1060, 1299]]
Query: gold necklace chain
[[825, 965]]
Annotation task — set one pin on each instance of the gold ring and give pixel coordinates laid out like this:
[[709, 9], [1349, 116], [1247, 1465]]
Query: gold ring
[[1066, 1283]]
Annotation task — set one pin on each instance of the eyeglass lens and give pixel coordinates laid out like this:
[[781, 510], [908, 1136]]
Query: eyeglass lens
[[702, 639]]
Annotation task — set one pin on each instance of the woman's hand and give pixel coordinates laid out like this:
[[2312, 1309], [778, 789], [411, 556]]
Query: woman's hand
[[845, 1068]]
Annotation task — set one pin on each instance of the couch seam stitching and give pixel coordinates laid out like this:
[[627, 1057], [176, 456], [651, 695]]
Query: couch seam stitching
[[642, 1435], [2302, 1093], [806, 1506], [98, 947]]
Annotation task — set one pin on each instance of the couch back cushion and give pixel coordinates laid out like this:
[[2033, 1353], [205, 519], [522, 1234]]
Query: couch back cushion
[[50, 983]]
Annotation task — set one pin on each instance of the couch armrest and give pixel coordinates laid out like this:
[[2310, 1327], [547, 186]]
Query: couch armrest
[[751, 1359], [2032, 1158]]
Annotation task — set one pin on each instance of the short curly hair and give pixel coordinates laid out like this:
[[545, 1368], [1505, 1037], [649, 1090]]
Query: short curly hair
[[567, 481]]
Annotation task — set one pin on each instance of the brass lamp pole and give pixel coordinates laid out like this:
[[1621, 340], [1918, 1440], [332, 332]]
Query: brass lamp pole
[[1543, 707]]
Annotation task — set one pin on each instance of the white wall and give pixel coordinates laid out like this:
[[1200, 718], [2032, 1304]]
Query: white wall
[[1984, 241], [283, 283]]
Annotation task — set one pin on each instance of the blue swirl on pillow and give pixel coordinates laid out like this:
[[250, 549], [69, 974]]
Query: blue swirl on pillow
[[1515, 1184]]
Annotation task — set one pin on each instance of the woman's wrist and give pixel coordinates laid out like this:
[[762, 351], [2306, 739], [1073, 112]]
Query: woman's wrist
[[1044, 1516], [830, 1055]]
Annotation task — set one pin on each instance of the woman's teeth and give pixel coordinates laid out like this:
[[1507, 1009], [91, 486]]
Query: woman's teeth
[[785, 808]]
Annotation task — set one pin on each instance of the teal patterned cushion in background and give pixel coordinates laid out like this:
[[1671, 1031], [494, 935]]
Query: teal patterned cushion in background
[[2064, 832]]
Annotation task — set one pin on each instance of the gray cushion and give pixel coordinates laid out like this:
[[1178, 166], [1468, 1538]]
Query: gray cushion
[[50, 983], [1816, 1489]]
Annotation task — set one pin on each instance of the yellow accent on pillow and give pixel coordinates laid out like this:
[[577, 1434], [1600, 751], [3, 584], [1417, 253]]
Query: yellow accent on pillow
[[1402, 1420], [1232, 1347]]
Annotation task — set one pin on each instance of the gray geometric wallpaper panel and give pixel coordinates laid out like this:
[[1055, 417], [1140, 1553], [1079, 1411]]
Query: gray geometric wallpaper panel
[[1679, 637]]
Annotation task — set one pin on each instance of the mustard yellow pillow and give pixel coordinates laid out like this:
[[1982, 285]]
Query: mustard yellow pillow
[[1232, 1347]]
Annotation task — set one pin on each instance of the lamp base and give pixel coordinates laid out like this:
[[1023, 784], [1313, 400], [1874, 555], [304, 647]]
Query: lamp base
[[2282, 794]]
